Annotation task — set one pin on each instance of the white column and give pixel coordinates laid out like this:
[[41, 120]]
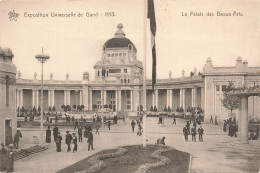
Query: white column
[[33, 97], [181, 97], [80, 97], [37, 99], [90, 100], [131, 100], [105, 97], [49, 98], [65, 97], [68, 97], [168, 98], [244, 119], [53, 94], [119, 100], [117, 105], [17, 98], [171, 99], [156, 99], [192, 97], [21, 98]]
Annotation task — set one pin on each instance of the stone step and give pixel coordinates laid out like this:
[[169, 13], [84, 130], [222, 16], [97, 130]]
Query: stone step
[[26, 152]]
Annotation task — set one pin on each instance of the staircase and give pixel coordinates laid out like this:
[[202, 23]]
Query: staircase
[[28, 151]]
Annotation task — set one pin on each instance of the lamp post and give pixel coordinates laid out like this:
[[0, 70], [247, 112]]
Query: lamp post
[[42, 58]]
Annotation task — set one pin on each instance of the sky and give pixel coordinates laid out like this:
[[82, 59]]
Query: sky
[[74, 44]]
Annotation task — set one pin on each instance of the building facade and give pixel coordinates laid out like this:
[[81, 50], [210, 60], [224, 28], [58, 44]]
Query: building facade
[[118, 81], [7, 96]]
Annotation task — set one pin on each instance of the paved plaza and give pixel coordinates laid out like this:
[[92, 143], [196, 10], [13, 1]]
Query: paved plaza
[[212, 155]]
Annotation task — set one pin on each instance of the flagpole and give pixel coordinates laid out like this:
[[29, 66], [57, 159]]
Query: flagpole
[[144, 76]]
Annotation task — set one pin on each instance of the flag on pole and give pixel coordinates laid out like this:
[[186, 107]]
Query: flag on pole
[[151, 16]]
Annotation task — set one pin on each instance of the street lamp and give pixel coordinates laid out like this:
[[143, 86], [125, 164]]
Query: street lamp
[[42, 58]]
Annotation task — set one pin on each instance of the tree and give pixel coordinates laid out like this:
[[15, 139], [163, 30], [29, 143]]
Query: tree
[[74, 106], [178, 109], [53, 109], [155, 108], [165, 109], [23, 110], [49, 108], [94, 106], [82, 107], [191, 73], [169, 109], [68, 108], [78, 107], [62, 107], [228, 101], [181, 109], [151, 108]]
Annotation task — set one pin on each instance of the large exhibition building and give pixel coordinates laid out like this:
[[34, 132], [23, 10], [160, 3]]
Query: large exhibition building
[[119, 75]]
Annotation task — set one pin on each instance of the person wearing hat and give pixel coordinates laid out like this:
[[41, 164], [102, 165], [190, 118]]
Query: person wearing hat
[[68, 140], [80, 133], [90, 140], [185, 132], [133, 125], [75, 140], [48, 135], [10, 159], [55, 132], [200, 131], [17, 137], [58, 142], [3, 154]]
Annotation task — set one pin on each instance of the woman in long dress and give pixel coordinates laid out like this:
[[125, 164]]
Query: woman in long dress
[[48, 135]]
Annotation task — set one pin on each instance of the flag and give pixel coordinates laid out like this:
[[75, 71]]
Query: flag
[[151, 16]]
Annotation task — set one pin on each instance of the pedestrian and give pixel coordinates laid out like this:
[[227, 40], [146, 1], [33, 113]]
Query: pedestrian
[[216, 120], [97, 127], [133, 125], [10, 159], [55, 132], [124, 118], [3, 156], [58, 142], [56, 118], [188, 127], [185, 133], [90, 141], [48, 135], [200, 131], [68, 140], [211, 119], [75, 140], [76, 125], [17, 137], [108, 125], [225, 126], [193, 133], [80, 133], [174, 121]]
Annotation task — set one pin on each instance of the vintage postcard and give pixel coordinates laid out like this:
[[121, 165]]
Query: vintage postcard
[[130, 86]]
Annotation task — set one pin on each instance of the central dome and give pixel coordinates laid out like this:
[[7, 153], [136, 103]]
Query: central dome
[[119, 41]]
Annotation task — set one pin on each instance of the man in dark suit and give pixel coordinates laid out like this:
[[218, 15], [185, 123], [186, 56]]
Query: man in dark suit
[[133, 125], [55, 132], [200, 131], [90, 141], [193, 133], [58, 142], [17, 137], [80, 133], [68, 140], [185, 133]]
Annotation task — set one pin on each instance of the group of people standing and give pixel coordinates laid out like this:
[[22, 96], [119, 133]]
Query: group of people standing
[[70, 138], [232, 126], [193, 132]]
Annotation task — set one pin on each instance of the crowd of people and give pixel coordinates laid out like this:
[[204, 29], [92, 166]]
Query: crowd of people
[[70, 138], [193, 131]]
